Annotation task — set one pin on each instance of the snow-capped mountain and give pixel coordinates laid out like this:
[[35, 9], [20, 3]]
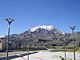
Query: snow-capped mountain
[[46, 27], [46, 33], [41, 32], [50, 27]]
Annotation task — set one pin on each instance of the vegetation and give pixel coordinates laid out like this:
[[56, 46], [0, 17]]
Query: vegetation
[[2, 54], [62, 48]]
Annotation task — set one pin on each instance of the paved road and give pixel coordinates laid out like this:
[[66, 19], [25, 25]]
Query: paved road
[[10, 57], [16, 56], [45, 55], [40, 56]]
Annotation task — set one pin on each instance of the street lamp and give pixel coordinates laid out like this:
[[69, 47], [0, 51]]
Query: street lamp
[[65, 46], [9, 20], [73, 28], [29, 43]]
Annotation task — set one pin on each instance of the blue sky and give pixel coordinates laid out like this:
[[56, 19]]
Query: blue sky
[[30, 13]]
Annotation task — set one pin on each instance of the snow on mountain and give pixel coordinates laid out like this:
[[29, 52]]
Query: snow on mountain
[[50, 27], [46, 27]]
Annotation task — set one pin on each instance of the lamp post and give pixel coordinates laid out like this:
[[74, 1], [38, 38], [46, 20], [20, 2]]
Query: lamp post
[[65, 52], [65, 47], [29, 43], [73, 28], [9, 20]]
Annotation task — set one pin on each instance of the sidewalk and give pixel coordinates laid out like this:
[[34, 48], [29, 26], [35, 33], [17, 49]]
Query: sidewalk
[[17, 54], [40, 56], [46, 55]]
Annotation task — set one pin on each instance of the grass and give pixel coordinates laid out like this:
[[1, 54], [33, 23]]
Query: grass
[[61, 48], [2, 54]]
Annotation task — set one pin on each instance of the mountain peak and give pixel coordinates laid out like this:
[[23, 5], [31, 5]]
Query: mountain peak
[[49, 27]]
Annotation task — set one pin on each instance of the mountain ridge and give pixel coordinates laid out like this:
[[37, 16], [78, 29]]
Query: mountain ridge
[[44, 33], [46, 27]]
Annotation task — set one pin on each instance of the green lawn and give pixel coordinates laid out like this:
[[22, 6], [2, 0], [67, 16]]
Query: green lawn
[[62, 48], [2, 54]]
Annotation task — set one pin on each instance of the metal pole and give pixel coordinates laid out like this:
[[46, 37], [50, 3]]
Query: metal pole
[[29, 44], [74, 44], [28, 52], [73, 28], [7, 47], [65, 48], [65, 52], [9, 20]]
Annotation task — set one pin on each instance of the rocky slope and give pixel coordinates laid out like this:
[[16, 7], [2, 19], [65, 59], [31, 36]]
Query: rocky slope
[[44, 35]]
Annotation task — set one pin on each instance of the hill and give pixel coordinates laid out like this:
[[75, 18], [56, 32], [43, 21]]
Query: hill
[[43, 36]]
